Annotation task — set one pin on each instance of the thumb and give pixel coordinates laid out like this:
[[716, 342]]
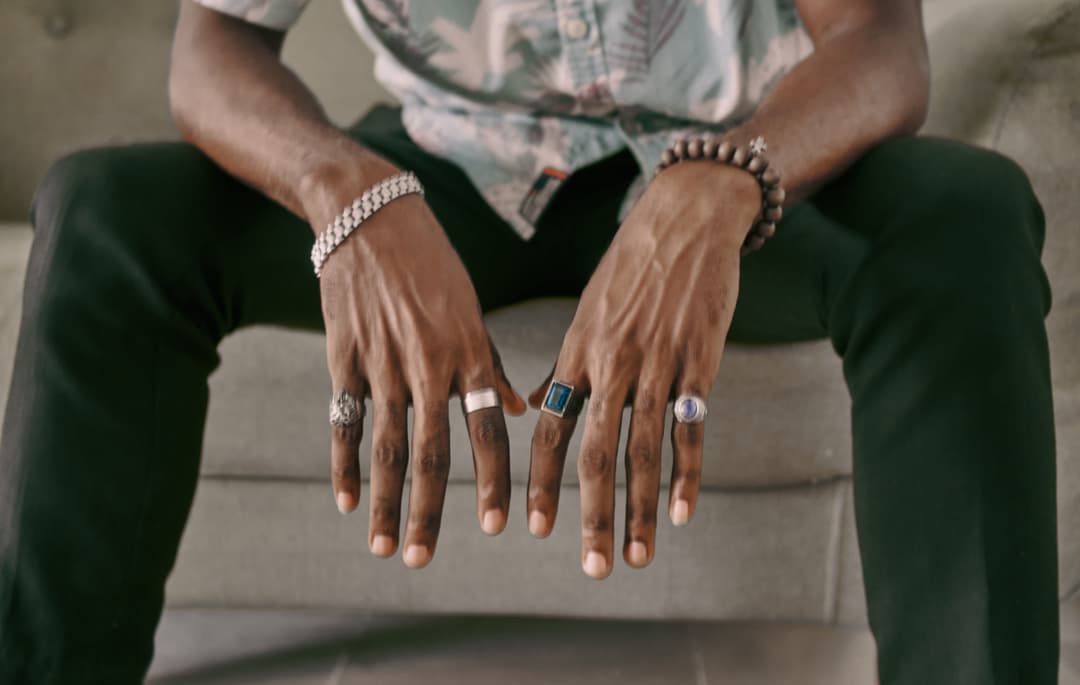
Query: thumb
[[536, 398], [512, 401]]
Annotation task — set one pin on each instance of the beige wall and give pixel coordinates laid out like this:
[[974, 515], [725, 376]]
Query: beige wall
[[77, 73]]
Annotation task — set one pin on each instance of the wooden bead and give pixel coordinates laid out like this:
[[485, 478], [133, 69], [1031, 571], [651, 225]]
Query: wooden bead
[[739, 157], [770, 178], [745, 251], [765, 229], [723, 152], [708, 151], [668, 158], [775, 197], [756, 165], [755, 242], [693, 150], [772, 214], [680, 149]]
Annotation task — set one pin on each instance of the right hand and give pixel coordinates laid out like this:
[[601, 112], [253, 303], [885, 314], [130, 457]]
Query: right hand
[[403, 325]]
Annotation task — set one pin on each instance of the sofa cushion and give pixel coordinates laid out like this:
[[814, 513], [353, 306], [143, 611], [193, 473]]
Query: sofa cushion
[[268, 407]]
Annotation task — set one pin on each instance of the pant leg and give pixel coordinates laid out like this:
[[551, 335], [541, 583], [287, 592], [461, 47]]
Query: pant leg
[[922, 265], [143, 258], [941, 329]]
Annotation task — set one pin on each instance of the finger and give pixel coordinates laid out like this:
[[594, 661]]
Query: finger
[[643, 466], [536, 397], [389, 459], [596, 476], [513, 403], [431, 467], [345, 449], [549, 442], [491, 456], [687, 441]]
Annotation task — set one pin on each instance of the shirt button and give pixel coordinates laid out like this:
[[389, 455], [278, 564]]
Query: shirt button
[[576, 29]]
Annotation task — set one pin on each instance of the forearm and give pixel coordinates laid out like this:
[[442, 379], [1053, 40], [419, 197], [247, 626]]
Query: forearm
[[233, 98], [862, 85]]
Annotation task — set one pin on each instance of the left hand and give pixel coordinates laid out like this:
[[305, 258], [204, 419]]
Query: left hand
[[650, 325]]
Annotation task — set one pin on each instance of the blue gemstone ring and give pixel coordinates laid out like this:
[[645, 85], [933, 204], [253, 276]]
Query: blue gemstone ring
[[561, 400], [690, 409]]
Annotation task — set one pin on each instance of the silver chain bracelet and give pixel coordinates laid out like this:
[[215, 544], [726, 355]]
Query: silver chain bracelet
[[374, 198]]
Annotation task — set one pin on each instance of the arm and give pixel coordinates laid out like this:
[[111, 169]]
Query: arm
[[232, 97], [653, 319], [868, 80], [402, 319]]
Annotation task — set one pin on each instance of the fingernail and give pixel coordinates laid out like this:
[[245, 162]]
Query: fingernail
[[637, 554], [382, 545], [680, 512], [345, 502], [595, 565], [538, 524], [493, 522], [417, 556]]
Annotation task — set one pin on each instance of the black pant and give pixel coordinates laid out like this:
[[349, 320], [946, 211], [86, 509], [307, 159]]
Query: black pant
[[921, 264]]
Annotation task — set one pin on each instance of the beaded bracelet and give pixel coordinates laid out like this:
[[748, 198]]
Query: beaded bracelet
[[374, 198], [749, 158]]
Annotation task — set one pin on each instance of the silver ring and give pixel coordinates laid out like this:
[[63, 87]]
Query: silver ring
[[484, 398], [690, 409], [345, 410]]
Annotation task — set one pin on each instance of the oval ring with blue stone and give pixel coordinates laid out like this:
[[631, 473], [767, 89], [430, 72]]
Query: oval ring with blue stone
[[690, 409]]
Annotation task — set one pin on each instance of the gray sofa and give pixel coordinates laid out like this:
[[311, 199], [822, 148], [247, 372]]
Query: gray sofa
[[774, 536]]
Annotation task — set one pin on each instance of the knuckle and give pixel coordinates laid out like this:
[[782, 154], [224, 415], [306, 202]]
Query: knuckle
[[641, 516], [433, 463], [617, 361], [596, 524], [542, 493], [595, 462], [643, 457], [390, 455], [345, 472], [690, 475], [434, 410], [426, 523], [645, 403], [385, 510], [392, 414]]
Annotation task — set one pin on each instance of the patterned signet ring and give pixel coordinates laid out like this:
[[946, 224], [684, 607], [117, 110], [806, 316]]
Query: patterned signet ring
[[690, 409], [345, 410], [484, 398]]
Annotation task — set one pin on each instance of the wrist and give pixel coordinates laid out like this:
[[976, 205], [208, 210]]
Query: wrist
[[710, 190], [326, 187]]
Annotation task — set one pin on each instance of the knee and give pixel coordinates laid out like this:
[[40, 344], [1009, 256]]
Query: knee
[[72, 207], [91, 244], [976, 237]]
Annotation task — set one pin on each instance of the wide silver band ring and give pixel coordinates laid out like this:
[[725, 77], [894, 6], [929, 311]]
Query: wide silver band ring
[[345, 410], [690, 409], [484, 398]]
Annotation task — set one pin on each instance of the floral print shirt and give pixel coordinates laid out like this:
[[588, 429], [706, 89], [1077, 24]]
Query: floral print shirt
[[521, 93]]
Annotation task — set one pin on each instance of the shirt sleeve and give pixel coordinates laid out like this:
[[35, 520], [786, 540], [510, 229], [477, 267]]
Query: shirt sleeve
[[272, 14]]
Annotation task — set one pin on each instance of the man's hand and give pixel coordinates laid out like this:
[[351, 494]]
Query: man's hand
[[650, 325], [402, 320], [403, 325]]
